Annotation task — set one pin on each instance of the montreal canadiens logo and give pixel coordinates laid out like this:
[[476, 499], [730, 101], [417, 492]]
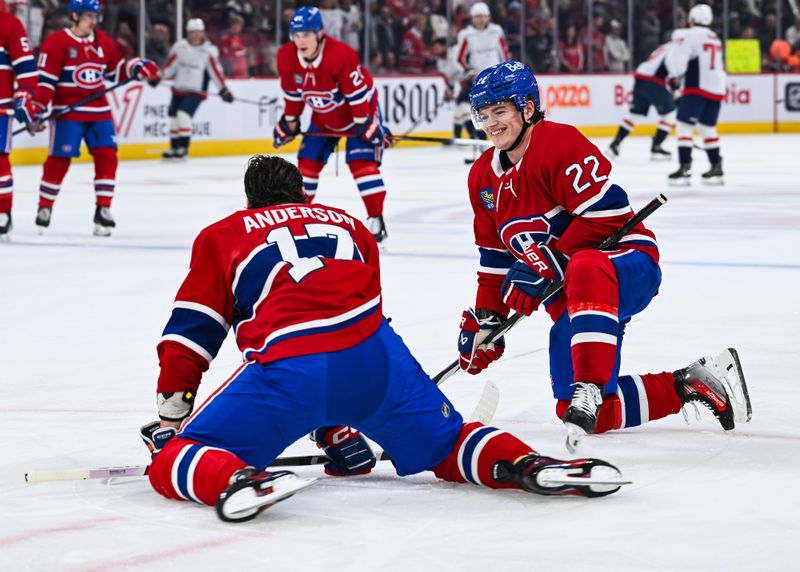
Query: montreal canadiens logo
[[88, 76], [320, 101], [519, 233]]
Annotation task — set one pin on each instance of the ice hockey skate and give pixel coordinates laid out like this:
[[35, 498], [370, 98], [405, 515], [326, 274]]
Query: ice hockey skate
[[717, 383], [103, 221], [658, 153], [548, 476], [681, 177], [377, 227], [5, 225], [714, 175], [612, 151], [252, 491], [175, 154], [581, 416], [43, 216]]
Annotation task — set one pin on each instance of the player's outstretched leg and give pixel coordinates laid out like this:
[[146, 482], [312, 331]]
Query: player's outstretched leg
[[252, 491], [492, 458], [718, 383]]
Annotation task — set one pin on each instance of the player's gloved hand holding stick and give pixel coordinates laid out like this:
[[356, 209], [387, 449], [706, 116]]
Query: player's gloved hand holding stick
[[557, 284], [285, 131]]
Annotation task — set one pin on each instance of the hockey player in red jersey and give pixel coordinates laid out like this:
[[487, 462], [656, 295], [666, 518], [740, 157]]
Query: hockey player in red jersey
[[542, 198], [16, 65], [74, 64], [326, 75], [299, 285]]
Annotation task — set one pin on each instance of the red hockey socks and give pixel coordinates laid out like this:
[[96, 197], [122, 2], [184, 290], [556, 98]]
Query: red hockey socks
[[6, 184], [53, 173], [369, 181], [592, 291], [639, 399], [310, 171], [105, 174], [475, 452], [187, 470]]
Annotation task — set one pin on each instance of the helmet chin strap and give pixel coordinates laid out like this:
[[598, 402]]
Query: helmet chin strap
[[518, 140]]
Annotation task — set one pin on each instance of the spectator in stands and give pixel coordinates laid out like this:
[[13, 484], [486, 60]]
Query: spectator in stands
[[158, 44], [571, 51], [649, 33], [241, 8], [332, 18], [766, 34], [352, 23], [232, 54], [509, 20], [125, 40], [616, 50], [412, 49], [792, 34], [594, 42], [264, 55], [384, 33], [539, 44]]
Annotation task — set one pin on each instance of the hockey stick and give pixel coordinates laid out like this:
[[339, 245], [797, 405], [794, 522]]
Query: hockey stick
[[484, 412], [72, 107], [609, 242], [266, 101], [424, 138]]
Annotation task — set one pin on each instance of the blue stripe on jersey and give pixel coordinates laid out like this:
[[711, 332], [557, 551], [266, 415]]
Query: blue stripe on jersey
[[314, 331], [496, 259], [183, 471], [584, 323], [630, 394], [468, 449], [23, 66], [200, 328], [4, 59], [615, 198]]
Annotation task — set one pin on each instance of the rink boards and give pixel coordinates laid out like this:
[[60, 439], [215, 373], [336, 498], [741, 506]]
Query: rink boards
[[765, 103]]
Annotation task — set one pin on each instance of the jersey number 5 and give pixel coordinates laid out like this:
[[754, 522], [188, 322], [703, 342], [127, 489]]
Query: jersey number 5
[[578, 170], [301, 266]]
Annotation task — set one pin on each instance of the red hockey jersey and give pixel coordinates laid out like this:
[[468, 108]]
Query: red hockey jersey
[[560, 193], [16, 60], [334, 85], [291, 280], [73, 68]]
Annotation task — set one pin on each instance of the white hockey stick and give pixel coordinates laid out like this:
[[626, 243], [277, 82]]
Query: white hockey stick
[[483, 412]]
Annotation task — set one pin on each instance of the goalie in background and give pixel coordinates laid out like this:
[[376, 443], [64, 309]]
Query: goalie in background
[[193, 62], [299, 284]]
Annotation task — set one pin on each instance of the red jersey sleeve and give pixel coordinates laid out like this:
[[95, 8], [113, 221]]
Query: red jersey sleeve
[[355, 84], [293, 103], [495, 259], [20, 55], [51, 63], [200, 319]]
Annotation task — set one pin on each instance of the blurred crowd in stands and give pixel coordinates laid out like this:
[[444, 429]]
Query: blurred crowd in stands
[[407, 36]]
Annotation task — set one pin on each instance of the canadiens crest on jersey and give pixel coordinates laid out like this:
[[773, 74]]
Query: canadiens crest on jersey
[[487, 196], [518, 234], [320, 101], [89, 75]]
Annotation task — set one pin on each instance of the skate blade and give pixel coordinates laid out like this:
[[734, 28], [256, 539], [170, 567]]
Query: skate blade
[[246, 500], [575, 435], [713, 181], [571, 481], [686, 182], [657, 158], [732, 376], [100, 230]]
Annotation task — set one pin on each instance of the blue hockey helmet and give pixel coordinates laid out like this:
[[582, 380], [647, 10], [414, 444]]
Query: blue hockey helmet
[[80, 6], [508, 81], [306, 19]]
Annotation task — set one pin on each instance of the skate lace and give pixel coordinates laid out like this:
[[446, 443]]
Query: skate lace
[[585, 398]]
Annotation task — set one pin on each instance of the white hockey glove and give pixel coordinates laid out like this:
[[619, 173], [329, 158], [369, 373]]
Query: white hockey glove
[[175, 406]]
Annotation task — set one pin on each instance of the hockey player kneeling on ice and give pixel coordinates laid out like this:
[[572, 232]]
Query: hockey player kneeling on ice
[[541, 199], [191, 63], [299, 284]]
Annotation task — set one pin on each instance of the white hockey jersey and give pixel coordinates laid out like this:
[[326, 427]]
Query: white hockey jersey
[[192, 67], [480, 49], [696, 55], [653, 68]]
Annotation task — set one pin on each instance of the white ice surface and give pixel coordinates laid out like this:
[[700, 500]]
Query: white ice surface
[[81, 316]]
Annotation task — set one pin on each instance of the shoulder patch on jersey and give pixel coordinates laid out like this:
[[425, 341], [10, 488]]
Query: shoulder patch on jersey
[[487, 196], [298, 78], [73, 53]]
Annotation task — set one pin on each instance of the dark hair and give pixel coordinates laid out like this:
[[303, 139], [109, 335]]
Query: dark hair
[[271, 180]]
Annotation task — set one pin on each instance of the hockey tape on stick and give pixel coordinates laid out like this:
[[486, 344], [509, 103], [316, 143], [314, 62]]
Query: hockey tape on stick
[[609, 242], [84, 101], [83, 474]]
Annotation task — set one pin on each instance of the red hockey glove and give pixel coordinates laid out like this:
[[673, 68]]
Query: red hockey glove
[[528, 279], [474, 355], [142, 69], [349, 452]]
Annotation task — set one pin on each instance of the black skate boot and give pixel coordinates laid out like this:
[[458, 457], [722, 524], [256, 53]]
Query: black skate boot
[[5, 224], [43, 216], [581, 416], [377, 227], [658, 153], [681, 177], [252, 491], [103, 221], [547, 476], [613, 149], [718, 383], [714, 175], [175, 154]]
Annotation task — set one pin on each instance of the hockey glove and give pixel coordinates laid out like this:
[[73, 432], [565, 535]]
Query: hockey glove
[[175, 406], [28, 111], [474, 355], [155, 436], [226, 95], [528, 279], [349, 452], [371, 131], [285, 131], [143, 69]]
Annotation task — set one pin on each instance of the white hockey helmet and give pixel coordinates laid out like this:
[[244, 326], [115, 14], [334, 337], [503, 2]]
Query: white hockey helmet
[[479, 9], [195, 25], [701, 15]]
